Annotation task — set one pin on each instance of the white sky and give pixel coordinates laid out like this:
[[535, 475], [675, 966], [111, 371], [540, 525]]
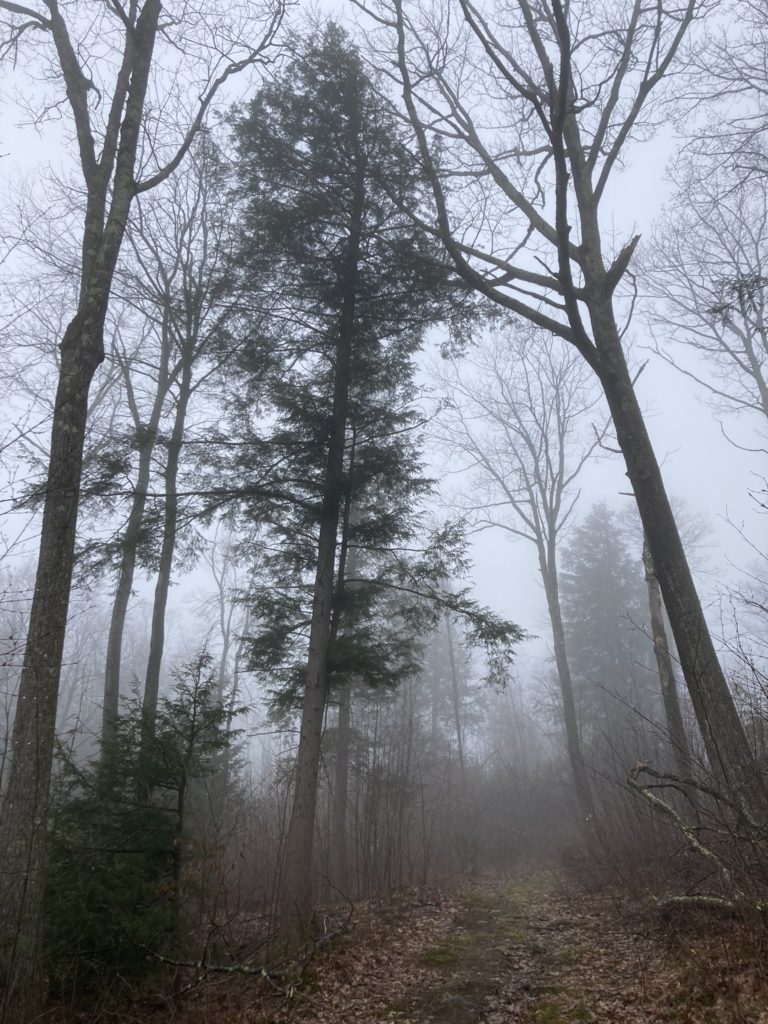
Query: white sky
[[699, 464]]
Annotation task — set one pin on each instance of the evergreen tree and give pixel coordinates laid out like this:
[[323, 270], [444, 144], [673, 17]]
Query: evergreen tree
[[120, 831], [342, 285], [606, 612]]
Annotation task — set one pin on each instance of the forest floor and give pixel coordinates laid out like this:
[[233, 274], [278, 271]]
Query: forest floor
[[527, 951]]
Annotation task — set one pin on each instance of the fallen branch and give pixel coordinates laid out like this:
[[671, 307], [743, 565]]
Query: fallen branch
[[702, 901], [295, 968], [688, 831]]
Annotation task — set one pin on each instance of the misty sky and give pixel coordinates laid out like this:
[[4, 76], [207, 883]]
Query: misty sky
[[700, 465]]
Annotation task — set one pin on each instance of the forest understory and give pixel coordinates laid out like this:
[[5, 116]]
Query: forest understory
[[528, 949]]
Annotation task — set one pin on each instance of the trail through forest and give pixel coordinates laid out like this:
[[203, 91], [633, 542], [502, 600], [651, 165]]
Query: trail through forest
[[526, 951]]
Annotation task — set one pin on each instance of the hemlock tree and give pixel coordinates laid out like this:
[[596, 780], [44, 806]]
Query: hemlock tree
[[99, 65], [115, 877], [520, 187], [350, 285]]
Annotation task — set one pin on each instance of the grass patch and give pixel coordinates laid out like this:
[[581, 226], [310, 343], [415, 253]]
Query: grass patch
[[440, 956], [551, 1011]]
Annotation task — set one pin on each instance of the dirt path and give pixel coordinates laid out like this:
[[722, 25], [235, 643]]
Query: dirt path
[[525, 952], [493, 953]]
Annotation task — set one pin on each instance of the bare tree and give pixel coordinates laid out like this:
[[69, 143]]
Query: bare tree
[[182, 244], [708, 271], [518, 411], [102, 68], [729, 85], [519, 187]]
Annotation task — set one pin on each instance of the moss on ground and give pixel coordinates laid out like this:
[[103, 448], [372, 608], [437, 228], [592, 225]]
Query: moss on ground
[[552, 1011], [468, 964]]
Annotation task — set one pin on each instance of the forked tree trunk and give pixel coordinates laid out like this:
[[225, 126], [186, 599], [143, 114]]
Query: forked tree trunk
[[24, 813]]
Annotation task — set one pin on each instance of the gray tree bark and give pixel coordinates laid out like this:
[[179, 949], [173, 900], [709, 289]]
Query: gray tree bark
[[582, 785], [110, 180]]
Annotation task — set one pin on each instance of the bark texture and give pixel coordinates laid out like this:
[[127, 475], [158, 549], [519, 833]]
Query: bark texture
[[110, 189], [25, 804]]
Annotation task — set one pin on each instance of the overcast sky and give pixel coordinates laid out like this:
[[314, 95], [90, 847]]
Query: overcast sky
[[699, 463]]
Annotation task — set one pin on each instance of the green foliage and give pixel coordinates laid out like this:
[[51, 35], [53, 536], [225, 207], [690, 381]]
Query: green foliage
[[118, 832]]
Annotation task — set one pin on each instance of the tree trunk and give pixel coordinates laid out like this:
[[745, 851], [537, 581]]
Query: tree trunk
[[341, 792], [296, 883], [678, 739], [725, 741], [731, 758], [347, 566], [24, 814], [296, 886], [570, 718], [455, 701], [167, 550], [147, 436], [25, 804], [128, 554]]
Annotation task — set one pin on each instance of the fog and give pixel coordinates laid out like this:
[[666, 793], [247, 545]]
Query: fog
[[383, 449]]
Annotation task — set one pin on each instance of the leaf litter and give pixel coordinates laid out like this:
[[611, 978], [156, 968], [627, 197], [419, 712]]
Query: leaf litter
[[525, 951]]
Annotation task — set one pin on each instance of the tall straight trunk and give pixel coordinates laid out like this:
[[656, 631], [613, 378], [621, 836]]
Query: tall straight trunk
[[296, 881], [25, 804], [129, 546], [341, 791], [455, 700], [725, 740], [581, 781], [167, 549], [128, 555], [24, 814], [346, 565], [681, 751]]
